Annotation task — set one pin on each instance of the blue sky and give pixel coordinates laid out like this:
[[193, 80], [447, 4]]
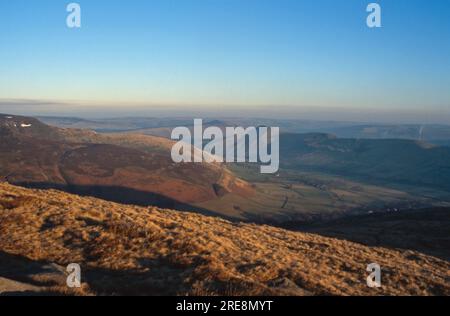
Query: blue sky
[[228, 52]]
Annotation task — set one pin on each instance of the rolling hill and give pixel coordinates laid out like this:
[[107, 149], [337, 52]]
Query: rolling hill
[[379, 161], [132, 169]]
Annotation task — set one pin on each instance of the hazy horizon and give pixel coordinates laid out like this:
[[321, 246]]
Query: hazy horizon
[[103, 111]]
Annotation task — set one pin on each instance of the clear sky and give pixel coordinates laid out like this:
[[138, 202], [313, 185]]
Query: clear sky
[[300, 53]]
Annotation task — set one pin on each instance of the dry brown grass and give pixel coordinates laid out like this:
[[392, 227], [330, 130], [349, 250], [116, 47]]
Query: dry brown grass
[[150, 251]]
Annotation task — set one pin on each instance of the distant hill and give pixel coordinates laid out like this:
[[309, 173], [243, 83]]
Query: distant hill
[[386, 161], [435, 134], [130, 250], [132, 169]]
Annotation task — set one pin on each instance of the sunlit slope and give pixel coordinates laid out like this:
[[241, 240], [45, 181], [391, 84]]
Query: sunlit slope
[[136, 250]]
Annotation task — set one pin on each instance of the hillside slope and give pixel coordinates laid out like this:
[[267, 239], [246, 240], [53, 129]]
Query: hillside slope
[[387, 161], [149, 251], [134, 169], [423, 230]]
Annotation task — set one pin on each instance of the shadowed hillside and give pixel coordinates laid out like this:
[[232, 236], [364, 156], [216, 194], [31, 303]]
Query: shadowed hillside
[[386, 161], [423, 230]]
